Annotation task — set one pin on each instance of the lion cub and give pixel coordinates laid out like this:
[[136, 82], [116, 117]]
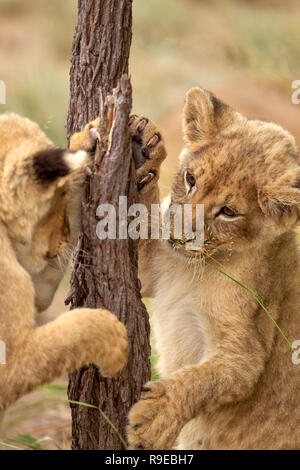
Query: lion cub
[[228, 379], [40, 201]]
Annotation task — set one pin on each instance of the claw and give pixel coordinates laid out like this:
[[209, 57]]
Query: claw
[[146, 180], [142, 124], [95, 134], [131, 119], [153, 141], [69, 296]]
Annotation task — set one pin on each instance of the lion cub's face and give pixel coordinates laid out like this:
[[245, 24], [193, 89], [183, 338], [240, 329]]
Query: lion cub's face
[[246, 173], [43, 191]]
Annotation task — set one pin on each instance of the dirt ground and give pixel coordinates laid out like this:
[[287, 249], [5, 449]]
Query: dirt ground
[[40, 417]]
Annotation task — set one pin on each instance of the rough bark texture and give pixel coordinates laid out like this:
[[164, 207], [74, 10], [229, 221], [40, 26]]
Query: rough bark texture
[[100, 54], [105, 272]]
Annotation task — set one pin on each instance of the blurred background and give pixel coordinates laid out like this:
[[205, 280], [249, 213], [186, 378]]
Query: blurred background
[[246, 52]]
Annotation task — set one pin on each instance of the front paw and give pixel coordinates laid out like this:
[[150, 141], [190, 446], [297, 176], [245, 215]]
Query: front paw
[[113, 354], [87, 139], [148, 150], [153, 421]]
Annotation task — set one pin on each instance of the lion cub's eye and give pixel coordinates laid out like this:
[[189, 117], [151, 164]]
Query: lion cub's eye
[[189, 178], [227, 212]]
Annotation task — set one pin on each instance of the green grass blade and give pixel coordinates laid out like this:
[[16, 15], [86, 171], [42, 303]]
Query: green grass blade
[[54, 388], [4, 444], [104, 416], [28, 441]]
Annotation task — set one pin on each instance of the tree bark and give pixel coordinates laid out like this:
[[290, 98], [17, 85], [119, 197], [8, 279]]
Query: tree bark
[[104, 273]]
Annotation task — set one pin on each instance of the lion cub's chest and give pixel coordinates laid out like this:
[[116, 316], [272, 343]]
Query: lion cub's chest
[[179, 319]]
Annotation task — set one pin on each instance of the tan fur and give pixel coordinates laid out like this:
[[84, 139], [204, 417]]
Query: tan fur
[[39, 222], [228, 380]]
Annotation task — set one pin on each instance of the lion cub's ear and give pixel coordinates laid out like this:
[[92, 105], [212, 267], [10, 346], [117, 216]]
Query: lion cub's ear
[[204, 116], [52, 164], [280, 198]]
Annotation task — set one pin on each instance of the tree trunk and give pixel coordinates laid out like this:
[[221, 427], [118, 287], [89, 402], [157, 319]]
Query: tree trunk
[[105, 272]]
